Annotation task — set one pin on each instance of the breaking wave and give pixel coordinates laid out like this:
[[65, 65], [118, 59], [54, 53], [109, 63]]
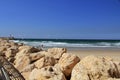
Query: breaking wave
[[68, 44]]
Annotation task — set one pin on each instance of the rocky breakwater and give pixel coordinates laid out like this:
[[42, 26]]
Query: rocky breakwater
[[57, 64]]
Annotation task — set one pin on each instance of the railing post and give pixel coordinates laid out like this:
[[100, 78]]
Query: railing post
[[4, 74]]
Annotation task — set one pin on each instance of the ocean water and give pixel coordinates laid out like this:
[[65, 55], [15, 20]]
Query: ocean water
[[73, 43]]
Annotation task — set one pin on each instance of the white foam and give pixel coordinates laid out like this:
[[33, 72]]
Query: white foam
[[64, 44]]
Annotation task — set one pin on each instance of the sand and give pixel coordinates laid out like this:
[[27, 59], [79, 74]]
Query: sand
[[100, 52]]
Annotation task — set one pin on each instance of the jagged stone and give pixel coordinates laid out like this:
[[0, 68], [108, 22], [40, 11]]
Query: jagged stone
[[36, 56], [22, 62], [67, 62], [46, 73], [97, 69], [57, 52], [45, 61]]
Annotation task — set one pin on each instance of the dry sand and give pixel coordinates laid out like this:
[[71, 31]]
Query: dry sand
[[110, 52]]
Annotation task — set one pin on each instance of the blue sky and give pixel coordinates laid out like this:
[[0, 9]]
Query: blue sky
[[88, 19]]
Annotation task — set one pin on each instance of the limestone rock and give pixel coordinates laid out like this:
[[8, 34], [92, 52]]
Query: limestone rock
[[22, 62], [28, 49], [8, 45], [2, 50], [20, 44], [35, 56], [67, 62], [57, 52], [26, 75], [11, 59], [115, 72], [46, 53], [97, 68], [46, 73], [45, 61], [10, 53], [25, 50], [28, 68], [79, 72]]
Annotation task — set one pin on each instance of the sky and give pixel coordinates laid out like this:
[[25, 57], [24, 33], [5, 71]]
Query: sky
[[71, 19]]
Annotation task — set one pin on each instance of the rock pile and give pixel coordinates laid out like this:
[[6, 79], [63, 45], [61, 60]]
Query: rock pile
[[94, 68], [57, 64]]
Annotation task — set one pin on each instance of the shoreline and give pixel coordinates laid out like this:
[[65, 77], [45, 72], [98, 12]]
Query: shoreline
[[113, 52], [82, 52], [100, 52]]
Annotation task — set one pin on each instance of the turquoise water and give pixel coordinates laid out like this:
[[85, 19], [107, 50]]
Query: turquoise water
[[70, 42]]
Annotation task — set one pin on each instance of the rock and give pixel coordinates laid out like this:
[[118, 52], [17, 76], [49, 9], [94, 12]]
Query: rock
[[3, 48], [24, 50], [67, 62], [57, 52], [22, 62], [35, 56], [11, 59], [28, 49], [113, 79], [45, 61], [28, 68], [26, 75], [10, 53], [97, 68], [7, 44], [79, 72], [3, 42], [13, 43], [46, 73], [46, 53], [20, 44], [115, 72]]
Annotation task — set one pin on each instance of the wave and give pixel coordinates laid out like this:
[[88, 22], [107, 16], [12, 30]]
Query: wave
[[65, 44]]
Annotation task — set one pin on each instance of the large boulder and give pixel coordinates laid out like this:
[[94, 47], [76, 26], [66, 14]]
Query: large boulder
[[79, 72], [11, 52], [46, 73], [26, 75], [35, 56], [57, 52], [25, 50], [28, 49], [13, 43], [7, 48], [115, 72], [2, 50], [97, 69], [22, 62], [46, 53], [45, 61], [27, 70], [3, 42], [67, 62]]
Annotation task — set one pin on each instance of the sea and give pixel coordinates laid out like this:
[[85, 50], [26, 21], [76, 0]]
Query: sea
[[71, 43]]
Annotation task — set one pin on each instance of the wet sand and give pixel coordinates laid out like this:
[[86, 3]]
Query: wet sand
[[102, 52]]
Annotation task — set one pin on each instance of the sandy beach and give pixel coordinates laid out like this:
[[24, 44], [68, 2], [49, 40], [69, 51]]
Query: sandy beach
[[100, 52]]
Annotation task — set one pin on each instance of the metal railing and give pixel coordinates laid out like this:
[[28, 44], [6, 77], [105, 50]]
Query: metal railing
[[8, 71]]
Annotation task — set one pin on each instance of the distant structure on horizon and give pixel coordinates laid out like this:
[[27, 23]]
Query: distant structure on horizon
[[9, 38]]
